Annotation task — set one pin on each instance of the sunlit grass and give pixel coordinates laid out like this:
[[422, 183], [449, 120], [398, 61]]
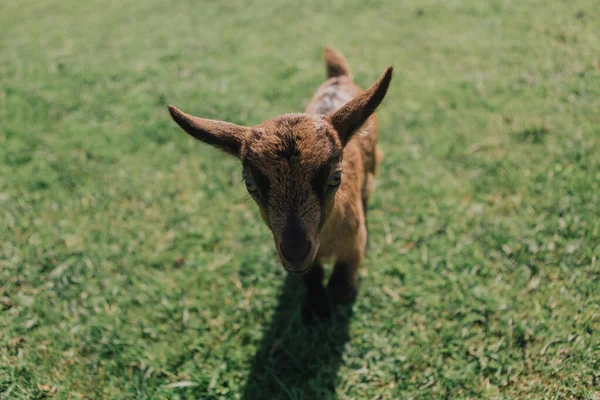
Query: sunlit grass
[[133, 265]]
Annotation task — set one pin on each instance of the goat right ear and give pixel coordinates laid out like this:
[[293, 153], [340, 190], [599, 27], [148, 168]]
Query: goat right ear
[[353, 114], [223, 135]]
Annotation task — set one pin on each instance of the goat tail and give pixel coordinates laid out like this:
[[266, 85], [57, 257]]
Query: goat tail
[[335, 63]]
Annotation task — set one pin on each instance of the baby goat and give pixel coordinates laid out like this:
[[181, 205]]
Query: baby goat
[[311, 175]]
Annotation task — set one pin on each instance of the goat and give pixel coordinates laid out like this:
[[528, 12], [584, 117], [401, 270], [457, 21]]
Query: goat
[[311, 175]]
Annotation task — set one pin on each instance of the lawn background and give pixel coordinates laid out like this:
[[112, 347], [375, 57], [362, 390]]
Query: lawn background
[[134, 265]]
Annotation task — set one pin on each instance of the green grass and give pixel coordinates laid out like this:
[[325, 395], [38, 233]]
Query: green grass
[[133, 264]]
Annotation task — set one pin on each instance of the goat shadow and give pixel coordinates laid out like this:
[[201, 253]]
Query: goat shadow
[[298, 360]]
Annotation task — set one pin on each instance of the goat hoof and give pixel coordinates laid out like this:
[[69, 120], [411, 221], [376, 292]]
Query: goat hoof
[[310, 311], [342, 294]]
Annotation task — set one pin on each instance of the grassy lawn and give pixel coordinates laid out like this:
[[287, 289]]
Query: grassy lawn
[[134, 265]]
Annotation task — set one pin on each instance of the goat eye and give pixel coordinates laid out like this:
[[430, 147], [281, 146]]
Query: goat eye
[[250, 185], [335, 179]]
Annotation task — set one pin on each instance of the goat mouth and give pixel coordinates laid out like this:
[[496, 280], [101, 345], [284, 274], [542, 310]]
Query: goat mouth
[[297, 271]]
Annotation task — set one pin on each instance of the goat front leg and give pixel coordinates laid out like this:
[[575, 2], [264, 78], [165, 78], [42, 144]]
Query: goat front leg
[[316, 302], [343, 283]]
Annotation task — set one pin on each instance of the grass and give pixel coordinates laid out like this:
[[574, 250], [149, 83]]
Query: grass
[[133, 265]]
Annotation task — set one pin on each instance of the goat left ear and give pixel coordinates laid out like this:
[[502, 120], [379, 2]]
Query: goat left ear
[[223, 135], [353, 114]]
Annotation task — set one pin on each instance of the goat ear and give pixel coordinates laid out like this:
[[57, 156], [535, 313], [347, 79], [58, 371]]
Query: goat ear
[[223, 135], [353, 114]]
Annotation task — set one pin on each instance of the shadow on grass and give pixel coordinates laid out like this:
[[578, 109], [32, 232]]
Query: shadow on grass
[[298, 361]]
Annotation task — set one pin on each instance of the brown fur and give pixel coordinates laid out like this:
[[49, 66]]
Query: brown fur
[[291, 165]]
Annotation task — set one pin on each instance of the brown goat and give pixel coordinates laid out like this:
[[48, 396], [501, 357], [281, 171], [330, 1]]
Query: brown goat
[[311, 175]]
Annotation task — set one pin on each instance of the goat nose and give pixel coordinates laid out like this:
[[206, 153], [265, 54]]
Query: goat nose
[[296, 251]]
